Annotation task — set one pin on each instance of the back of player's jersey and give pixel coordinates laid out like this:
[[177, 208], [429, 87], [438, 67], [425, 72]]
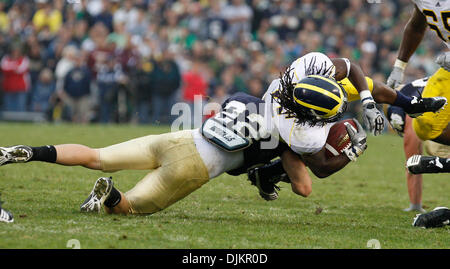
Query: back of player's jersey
[[437, 13], [250, 124]]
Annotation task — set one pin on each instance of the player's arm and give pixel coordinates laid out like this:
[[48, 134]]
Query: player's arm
[[372, 116], [297, 173], [347, 69], [323, 167], [412, 36]]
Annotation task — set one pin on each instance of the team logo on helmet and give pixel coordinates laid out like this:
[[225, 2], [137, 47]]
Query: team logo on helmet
[[323, 96], [313, 100]]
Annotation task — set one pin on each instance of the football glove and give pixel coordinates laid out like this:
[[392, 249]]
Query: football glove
[[396, 77], [396, 117], [358, 138], [372, 116], [444, 60]]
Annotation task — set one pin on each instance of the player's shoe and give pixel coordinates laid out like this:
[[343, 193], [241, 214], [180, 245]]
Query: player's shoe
[[418, 164], [6, 216], [267, 190], [438, 217], [15, 154], [422, 105], [102, 189]]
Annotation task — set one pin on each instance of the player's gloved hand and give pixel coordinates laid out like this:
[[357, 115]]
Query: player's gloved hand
[[444, 60], [396, 77], [358, 137], [396, 117], [372, 116]]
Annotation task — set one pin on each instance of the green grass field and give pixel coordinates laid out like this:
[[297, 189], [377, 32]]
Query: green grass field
[[363, 201]]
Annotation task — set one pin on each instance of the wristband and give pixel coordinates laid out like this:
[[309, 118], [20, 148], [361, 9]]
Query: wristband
[[400, 64], [365, 96]]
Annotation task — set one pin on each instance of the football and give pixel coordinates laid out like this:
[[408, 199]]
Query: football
[[338, 138]]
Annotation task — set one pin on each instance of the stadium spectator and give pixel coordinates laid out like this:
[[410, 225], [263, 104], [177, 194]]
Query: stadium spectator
[[166, 80], [108, 78], [64, 65], [194, 87], [47, 16], [16, 80], [76, 92], [4, 20], [105, 16], [238, 14], [44, 90], [144, 91]]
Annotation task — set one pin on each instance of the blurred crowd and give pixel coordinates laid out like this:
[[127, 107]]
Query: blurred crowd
[[123, 60]]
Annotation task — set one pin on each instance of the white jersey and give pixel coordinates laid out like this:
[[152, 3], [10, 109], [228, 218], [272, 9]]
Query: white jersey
[[437, 13], [300, 138], [217, 161]]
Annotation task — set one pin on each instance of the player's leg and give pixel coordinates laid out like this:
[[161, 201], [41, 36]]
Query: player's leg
[[412, 145], [132, 154], [68, 154], [181, 172], [383, 94], [411, 105]]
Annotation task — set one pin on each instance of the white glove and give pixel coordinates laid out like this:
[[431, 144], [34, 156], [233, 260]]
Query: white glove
[[444, 60], [358, 137], [372, 117], [397, 76], [397, 123]]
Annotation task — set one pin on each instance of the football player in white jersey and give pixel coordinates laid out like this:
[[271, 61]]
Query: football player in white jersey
[[309, 139], [298, 129]]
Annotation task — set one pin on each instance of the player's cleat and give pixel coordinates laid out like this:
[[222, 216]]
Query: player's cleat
[[102, 189], [6, 216], [418, 164], [267, 190], [15, 154], [438, 217], [422, 105]]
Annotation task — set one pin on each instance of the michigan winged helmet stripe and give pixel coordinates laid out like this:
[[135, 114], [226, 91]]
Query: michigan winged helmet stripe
[[321, 94]]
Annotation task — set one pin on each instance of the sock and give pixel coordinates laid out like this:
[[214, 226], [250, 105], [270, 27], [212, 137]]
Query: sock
[[404, 102], [113, 199], [414, 207], [44, 154]]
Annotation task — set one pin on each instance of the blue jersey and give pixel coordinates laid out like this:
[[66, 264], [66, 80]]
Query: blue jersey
[[245, 115]]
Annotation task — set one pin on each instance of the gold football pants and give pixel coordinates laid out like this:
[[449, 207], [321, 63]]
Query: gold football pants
[[430, 125], [178, 169]]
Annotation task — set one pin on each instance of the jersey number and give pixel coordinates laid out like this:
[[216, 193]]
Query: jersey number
[[445, 15]]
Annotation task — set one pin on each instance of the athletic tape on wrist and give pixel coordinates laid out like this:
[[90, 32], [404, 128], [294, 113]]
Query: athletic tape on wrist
[[365, 96], [400, 64]]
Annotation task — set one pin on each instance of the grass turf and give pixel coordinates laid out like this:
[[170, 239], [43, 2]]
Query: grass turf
[[361, 202]]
